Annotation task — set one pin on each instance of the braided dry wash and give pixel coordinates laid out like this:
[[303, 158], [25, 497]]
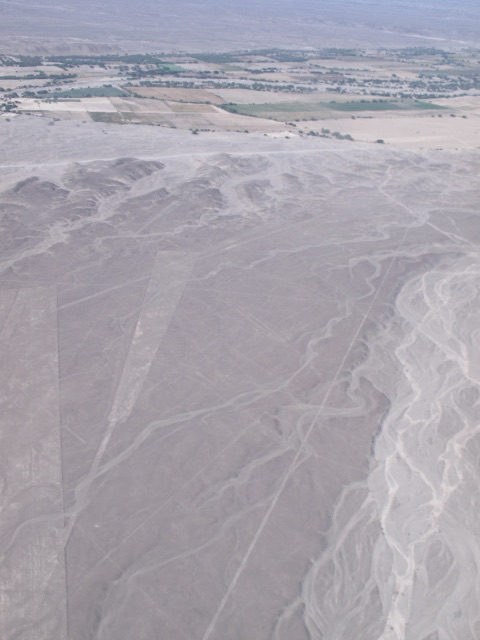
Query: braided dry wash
[[403, 555]]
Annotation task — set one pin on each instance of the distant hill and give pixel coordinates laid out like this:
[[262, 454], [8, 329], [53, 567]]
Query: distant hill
[[216, 25]]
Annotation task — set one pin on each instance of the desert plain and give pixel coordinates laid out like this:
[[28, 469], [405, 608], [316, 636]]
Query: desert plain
[[240, 379]]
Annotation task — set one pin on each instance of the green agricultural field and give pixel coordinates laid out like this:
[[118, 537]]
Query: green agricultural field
[[381, 105], [174, 68], [417, 104], [216, 58], [100, 116], [309, 110], [92, 92], [365, 105], [265, 109]]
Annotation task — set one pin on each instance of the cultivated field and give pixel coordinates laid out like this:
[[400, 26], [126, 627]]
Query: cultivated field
[[178, 94], [416, 98]]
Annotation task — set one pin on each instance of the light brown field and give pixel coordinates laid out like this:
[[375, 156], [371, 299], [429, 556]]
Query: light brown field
[[411, 132], [463, 103], [150, 111], [216, 120], [193, 116], [14, 85], [281, 76], [82, 105], [140, 105], [178, 94], [367, 66], [250, 96], [186, 107]]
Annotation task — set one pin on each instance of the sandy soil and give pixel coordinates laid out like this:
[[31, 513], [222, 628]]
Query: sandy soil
[[465, 103], [83, 105], [419, 132]]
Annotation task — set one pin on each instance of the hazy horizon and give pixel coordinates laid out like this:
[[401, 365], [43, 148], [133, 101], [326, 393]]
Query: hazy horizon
[[227, 25]]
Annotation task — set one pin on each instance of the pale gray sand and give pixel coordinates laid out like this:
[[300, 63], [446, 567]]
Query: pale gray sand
[[240, 381], [412, 540]]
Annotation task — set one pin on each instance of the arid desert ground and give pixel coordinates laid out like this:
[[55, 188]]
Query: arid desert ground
[[239, 336], [241, 387]]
